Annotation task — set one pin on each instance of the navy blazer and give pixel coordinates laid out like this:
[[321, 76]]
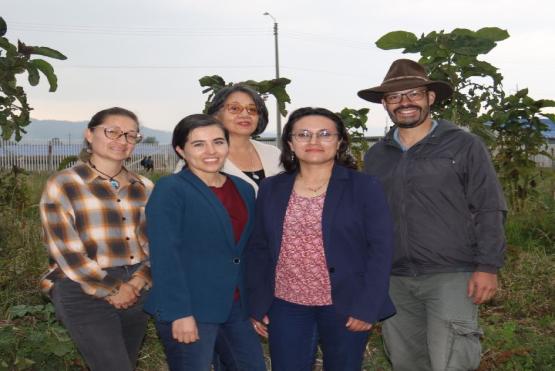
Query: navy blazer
[[196, 264], [357, 232]]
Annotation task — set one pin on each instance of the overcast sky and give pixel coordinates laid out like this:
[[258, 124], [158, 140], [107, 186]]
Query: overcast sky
[[147, 56]]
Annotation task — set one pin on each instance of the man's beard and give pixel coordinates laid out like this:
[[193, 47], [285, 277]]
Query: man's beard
[[423, 115]]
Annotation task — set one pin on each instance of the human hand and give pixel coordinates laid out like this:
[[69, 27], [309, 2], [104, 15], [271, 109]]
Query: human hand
[[482, 287], [184, 330], [137, 282], [261, 327], [126, 296], [357, 325]]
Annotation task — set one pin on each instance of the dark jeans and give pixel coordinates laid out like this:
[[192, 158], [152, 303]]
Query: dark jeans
[[109, 339], [292, 328], [237, 333]]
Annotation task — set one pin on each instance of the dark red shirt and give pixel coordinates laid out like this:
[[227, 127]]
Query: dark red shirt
[[233, 202]]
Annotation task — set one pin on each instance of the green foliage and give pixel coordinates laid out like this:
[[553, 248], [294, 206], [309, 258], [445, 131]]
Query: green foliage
[[15, 60], [532, 228], [453, 57], [14, 193], [32, 339], [275, 87], [519, 137], [355, 122], [150, 140], [67, 162]]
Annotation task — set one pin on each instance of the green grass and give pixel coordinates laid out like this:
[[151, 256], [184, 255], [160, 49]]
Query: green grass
[[519, 323]]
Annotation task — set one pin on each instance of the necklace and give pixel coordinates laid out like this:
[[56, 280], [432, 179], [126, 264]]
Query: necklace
[[113, 182], [252, 156], [316, 189]]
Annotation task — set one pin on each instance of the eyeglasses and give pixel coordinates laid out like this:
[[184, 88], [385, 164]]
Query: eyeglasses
[[305, 136], [236, 108], [413, 96], [132, 137]]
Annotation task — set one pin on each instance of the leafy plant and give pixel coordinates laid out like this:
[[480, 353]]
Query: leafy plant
[[14, 192], [15, 60], [355, 122], [275, 87], [31, 338], [519, 138], [67, 162]]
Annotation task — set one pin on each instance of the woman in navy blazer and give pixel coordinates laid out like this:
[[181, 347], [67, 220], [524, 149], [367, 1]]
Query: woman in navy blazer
[[198, 223], [320, 253]]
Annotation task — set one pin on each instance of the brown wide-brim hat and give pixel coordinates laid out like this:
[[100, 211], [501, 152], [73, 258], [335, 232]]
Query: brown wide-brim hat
[[406, 74]]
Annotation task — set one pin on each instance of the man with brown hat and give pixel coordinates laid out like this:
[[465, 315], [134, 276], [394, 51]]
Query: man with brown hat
[[449, 211]]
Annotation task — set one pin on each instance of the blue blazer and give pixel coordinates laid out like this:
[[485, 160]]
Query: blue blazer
[[357, 232], [195, 263]]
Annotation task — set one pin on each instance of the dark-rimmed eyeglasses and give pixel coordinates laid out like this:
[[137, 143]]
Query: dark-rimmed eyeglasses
[[305, 136], [413, 96], [236, 108], [131, 137]]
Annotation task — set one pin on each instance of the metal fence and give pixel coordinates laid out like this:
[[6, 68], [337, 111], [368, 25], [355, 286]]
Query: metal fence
[[47, 155]]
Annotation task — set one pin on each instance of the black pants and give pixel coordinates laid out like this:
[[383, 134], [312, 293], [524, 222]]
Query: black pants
[[109, 339]]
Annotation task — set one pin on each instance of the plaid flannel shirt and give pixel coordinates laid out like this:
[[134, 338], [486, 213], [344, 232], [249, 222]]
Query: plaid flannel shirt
[[89, 226]]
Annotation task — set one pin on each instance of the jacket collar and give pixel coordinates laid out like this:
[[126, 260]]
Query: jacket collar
[[88, 175], [434, 137], [214, 202]]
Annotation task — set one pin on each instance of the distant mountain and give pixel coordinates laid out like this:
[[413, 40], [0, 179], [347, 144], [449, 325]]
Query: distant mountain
[[70, 131]]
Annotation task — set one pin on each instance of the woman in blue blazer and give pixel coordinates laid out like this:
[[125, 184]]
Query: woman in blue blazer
[[320, 253], [198, 222]]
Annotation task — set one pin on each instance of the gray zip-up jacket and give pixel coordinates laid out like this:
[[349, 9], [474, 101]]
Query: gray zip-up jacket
[[446, 202]]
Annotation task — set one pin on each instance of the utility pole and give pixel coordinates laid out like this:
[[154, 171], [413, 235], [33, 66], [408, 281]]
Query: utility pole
[[278, 114]]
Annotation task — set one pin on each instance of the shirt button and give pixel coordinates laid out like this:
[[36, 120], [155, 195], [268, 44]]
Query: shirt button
[[119, 200], [123, 218], [127, 238], [131, 257], [236, 260]]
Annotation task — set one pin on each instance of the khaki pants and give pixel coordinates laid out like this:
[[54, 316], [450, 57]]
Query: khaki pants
[[436, 325]]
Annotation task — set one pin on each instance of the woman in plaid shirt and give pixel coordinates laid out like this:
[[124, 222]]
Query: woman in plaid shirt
[[94, 229]]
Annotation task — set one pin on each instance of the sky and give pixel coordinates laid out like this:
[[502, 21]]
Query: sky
[[148, 56]]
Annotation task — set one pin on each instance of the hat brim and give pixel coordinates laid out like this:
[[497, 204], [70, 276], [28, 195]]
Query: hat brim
[[442, 89]]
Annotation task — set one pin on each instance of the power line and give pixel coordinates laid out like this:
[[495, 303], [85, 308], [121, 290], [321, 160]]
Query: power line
[[140, 31], [156, 67]]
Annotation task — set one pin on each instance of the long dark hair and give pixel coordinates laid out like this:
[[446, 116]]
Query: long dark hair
[[222, 95], [290, 162]]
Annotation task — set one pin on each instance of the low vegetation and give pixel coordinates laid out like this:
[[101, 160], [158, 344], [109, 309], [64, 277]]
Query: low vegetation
[[519, 325]]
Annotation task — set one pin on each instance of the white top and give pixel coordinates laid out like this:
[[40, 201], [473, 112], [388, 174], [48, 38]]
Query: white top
[[268, 154]]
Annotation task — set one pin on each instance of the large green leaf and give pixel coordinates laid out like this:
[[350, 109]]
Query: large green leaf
[[470, 45], [546, 103], [396, 40], [34, 76], [493, 33], [6, 45], [45, 67], [3, 27], [210, 81], [463, 32], [47, 52]]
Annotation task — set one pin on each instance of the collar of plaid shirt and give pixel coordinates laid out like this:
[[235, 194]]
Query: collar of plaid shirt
[[88, 174]]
